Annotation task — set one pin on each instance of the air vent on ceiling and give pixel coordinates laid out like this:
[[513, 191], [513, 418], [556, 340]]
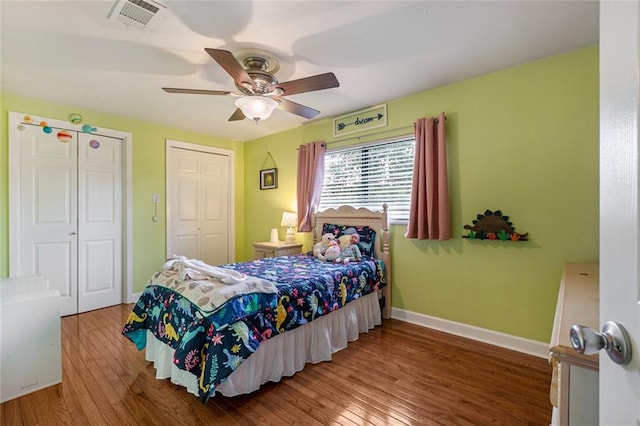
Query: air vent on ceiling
[[138, 14]]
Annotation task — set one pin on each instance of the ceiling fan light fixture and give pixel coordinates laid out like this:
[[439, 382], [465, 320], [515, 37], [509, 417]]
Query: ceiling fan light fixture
[[256, 107], [259, 90]]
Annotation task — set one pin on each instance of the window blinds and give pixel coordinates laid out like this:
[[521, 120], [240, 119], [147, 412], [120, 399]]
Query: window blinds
[[369, 176]]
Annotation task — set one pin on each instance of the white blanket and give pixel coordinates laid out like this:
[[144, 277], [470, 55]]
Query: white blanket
[[195, 269], [208, 287]]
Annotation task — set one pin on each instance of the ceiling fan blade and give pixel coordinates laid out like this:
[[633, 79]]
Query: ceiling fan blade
[[309, 84], [301, 110], [195, 91], [231, 66], [237, 115]]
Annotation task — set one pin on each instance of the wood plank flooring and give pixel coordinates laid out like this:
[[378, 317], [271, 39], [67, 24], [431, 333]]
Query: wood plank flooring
[[397, 374]]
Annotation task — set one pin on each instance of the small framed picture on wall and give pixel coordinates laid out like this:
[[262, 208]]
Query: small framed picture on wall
[[269, 179]]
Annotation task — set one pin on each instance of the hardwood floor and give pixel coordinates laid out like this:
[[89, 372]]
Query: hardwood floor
[[397, 374]]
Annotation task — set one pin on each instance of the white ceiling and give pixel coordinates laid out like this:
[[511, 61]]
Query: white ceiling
[[69, 52]]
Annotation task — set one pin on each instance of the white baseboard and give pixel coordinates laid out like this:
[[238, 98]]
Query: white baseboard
[[527, 346], [134, 297], [508, 341]]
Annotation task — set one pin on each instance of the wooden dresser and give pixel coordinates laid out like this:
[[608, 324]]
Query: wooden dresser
[[574, 385]]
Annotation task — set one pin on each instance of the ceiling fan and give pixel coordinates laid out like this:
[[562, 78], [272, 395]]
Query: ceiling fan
[[260, 91]]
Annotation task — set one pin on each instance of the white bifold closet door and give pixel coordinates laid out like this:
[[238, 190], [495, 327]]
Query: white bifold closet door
[[198, 193], [71, 216]]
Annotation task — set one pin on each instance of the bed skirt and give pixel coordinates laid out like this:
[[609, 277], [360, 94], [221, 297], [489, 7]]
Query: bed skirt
[[282, 355]]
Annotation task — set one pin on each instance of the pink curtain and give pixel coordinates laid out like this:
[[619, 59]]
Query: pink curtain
[[429, 214], [310, 177]]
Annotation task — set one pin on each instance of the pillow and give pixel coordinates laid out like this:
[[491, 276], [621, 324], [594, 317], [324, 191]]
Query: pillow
[[367, 236]]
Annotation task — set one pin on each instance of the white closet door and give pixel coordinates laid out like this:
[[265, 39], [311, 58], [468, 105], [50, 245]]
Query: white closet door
[[48, 198], [185, 203], [215, 217], [198, 188], [71, 216], [99, 221]]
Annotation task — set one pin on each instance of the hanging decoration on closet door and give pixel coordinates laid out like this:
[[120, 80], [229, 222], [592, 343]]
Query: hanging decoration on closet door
[[64, 136], [493, 226], [268, 177], [45, 127], [75, 118]]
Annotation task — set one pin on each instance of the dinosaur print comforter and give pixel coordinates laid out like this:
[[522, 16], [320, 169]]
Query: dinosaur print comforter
[[213, 346]]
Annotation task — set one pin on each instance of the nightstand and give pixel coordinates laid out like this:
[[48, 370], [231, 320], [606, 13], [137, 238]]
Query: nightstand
[[278, 248]]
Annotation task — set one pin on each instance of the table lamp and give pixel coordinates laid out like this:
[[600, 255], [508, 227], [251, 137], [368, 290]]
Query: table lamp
[[289, 220]]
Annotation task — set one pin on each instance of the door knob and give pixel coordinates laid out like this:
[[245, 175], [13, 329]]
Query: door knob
[[614, 339]]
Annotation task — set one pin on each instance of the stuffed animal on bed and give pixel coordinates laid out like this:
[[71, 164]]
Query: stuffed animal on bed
[[321, 246], [350, 252], [332, 253]]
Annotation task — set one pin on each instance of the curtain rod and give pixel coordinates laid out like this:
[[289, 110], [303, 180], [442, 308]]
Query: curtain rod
[[370, 134], [378, 133]]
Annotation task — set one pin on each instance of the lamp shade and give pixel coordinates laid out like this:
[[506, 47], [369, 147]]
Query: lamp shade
[[256, 107], [289, 219]]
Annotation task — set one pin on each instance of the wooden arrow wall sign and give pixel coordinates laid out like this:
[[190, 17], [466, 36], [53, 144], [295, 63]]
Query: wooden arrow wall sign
[[359, 121]]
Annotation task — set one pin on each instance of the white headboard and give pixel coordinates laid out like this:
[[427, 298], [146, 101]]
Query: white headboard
[[376, 220], [347, 215]]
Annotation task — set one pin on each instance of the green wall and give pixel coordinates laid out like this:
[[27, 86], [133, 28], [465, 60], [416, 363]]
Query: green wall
[[523, 140], [149, 247]]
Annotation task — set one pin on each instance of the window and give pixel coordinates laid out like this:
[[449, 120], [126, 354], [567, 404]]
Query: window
[[369, 176]]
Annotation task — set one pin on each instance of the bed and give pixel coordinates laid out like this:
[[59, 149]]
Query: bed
[[253, 322]]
